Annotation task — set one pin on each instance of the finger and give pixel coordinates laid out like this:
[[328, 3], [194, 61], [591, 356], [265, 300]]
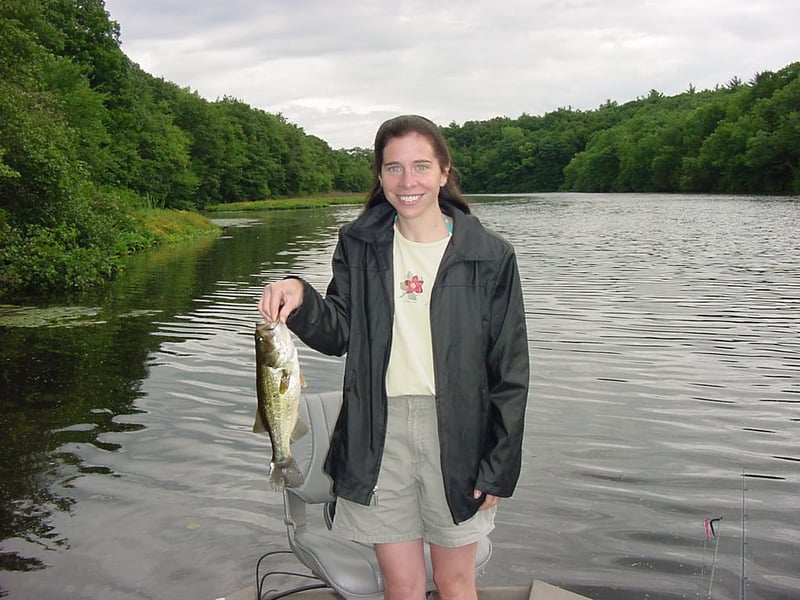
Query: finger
[[488, 502], [285, 310], [270, 303], [263, 303], [291, 298]]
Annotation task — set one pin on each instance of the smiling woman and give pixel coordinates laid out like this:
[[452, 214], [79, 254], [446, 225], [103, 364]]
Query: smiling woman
[[443, 404]]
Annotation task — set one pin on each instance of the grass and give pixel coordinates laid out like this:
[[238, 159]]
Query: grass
[[168, 226], [289, 203]]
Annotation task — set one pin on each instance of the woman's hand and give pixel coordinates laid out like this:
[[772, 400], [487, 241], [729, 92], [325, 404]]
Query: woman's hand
[[280, 298], [489, 501]]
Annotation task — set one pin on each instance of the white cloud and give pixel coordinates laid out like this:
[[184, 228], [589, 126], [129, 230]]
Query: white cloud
[[338, 69]]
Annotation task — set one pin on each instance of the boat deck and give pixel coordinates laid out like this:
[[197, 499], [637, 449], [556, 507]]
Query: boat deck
[[538, 590]]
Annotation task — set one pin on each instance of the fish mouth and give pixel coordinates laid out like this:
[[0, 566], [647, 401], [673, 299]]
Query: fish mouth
[[266, 330], [273, 343]]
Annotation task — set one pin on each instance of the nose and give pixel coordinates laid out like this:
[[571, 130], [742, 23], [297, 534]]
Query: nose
[[407, 179]]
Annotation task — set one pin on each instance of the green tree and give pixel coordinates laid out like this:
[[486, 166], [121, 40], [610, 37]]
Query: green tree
[[262, 172], [354, 169], [596, 168], [310, 166], [215, 147]]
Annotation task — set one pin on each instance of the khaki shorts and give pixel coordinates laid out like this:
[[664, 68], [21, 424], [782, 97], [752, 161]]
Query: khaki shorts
[[410, 502]]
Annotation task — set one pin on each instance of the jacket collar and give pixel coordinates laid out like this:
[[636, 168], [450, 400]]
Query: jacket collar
[[469, 236], [374, 225], [470, 241]]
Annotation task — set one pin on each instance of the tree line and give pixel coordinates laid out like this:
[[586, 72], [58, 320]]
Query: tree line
[[63, 71], [739, 138]]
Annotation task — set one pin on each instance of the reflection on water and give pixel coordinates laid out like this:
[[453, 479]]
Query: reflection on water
[[663, 334]]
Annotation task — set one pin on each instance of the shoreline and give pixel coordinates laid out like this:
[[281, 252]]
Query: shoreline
[[299, 202]]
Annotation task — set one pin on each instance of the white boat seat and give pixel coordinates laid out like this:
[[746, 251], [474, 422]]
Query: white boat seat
[[350, 568]]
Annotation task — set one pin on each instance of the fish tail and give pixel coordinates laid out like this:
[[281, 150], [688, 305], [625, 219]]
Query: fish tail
[[285, 474], [292, 475]]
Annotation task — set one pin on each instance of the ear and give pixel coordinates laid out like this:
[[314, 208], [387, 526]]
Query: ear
[[445, 175]]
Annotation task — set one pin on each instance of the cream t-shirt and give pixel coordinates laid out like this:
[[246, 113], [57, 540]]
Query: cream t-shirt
[[411, 357]]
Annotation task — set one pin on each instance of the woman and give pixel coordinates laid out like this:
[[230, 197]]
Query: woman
[[427, 305]]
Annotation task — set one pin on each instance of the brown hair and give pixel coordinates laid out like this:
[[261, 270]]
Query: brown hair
[[403, 125]]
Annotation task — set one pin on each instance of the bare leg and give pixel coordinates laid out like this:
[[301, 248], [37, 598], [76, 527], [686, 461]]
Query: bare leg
[[454, 571], [403, 569]]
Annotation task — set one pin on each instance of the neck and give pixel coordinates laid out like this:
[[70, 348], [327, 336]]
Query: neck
[[425, 230]]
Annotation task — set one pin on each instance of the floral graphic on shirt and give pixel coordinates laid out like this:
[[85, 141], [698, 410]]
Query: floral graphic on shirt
[[411, 286]]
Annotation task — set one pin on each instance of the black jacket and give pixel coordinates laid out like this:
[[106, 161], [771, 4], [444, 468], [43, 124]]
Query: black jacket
[[480, 356]]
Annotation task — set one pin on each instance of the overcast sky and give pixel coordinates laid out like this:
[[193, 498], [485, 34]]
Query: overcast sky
[[338, 68]]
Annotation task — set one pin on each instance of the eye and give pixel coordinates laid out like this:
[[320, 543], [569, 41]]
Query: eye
[[392, 168], [422, 167]]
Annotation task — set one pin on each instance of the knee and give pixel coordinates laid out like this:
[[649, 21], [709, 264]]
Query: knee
[[455, 586], [403, 590]]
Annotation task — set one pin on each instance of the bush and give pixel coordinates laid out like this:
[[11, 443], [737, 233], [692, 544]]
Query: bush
[[49, 261]]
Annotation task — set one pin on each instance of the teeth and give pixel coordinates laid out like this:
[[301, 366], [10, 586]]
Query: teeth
[[410, 198]]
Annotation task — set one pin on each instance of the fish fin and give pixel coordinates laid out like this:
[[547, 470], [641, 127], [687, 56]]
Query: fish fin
[[258, 425], [302, 380], [286, 375], [287, 474], [292, 475], [300, 429], [275, 480]]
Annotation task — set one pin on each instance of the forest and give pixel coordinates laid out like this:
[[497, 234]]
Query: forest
[[91, 147], [739, 138]]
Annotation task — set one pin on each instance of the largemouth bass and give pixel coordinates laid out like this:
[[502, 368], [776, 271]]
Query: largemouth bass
[[278, 383]]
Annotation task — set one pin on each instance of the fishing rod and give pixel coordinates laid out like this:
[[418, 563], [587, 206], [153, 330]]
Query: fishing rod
[[743, 577], [711, 532], [712, 527]]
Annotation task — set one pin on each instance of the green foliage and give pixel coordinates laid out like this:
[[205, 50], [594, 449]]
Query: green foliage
[[41, 165], [354, 170], [36, 258], [738, 138], [258, 153], [89, 142], [306, 202], [518, 155]]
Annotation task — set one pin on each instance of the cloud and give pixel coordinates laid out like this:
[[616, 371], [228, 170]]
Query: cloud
[[339, 69]]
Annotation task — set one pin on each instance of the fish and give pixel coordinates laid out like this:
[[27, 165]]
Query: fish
[[278, 384]]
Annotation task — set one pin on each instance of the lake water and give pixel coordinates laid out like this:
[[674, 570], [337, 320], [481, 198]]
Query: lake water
[[665, 341]]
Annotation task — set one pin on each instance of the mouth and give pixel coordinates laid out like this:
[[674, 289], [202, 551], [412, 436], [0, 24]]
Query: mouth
[[409, 199]]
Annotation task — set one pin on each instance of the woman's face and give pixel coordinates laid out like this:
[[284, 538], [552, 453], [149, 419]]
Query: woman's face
[[411, 176]]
